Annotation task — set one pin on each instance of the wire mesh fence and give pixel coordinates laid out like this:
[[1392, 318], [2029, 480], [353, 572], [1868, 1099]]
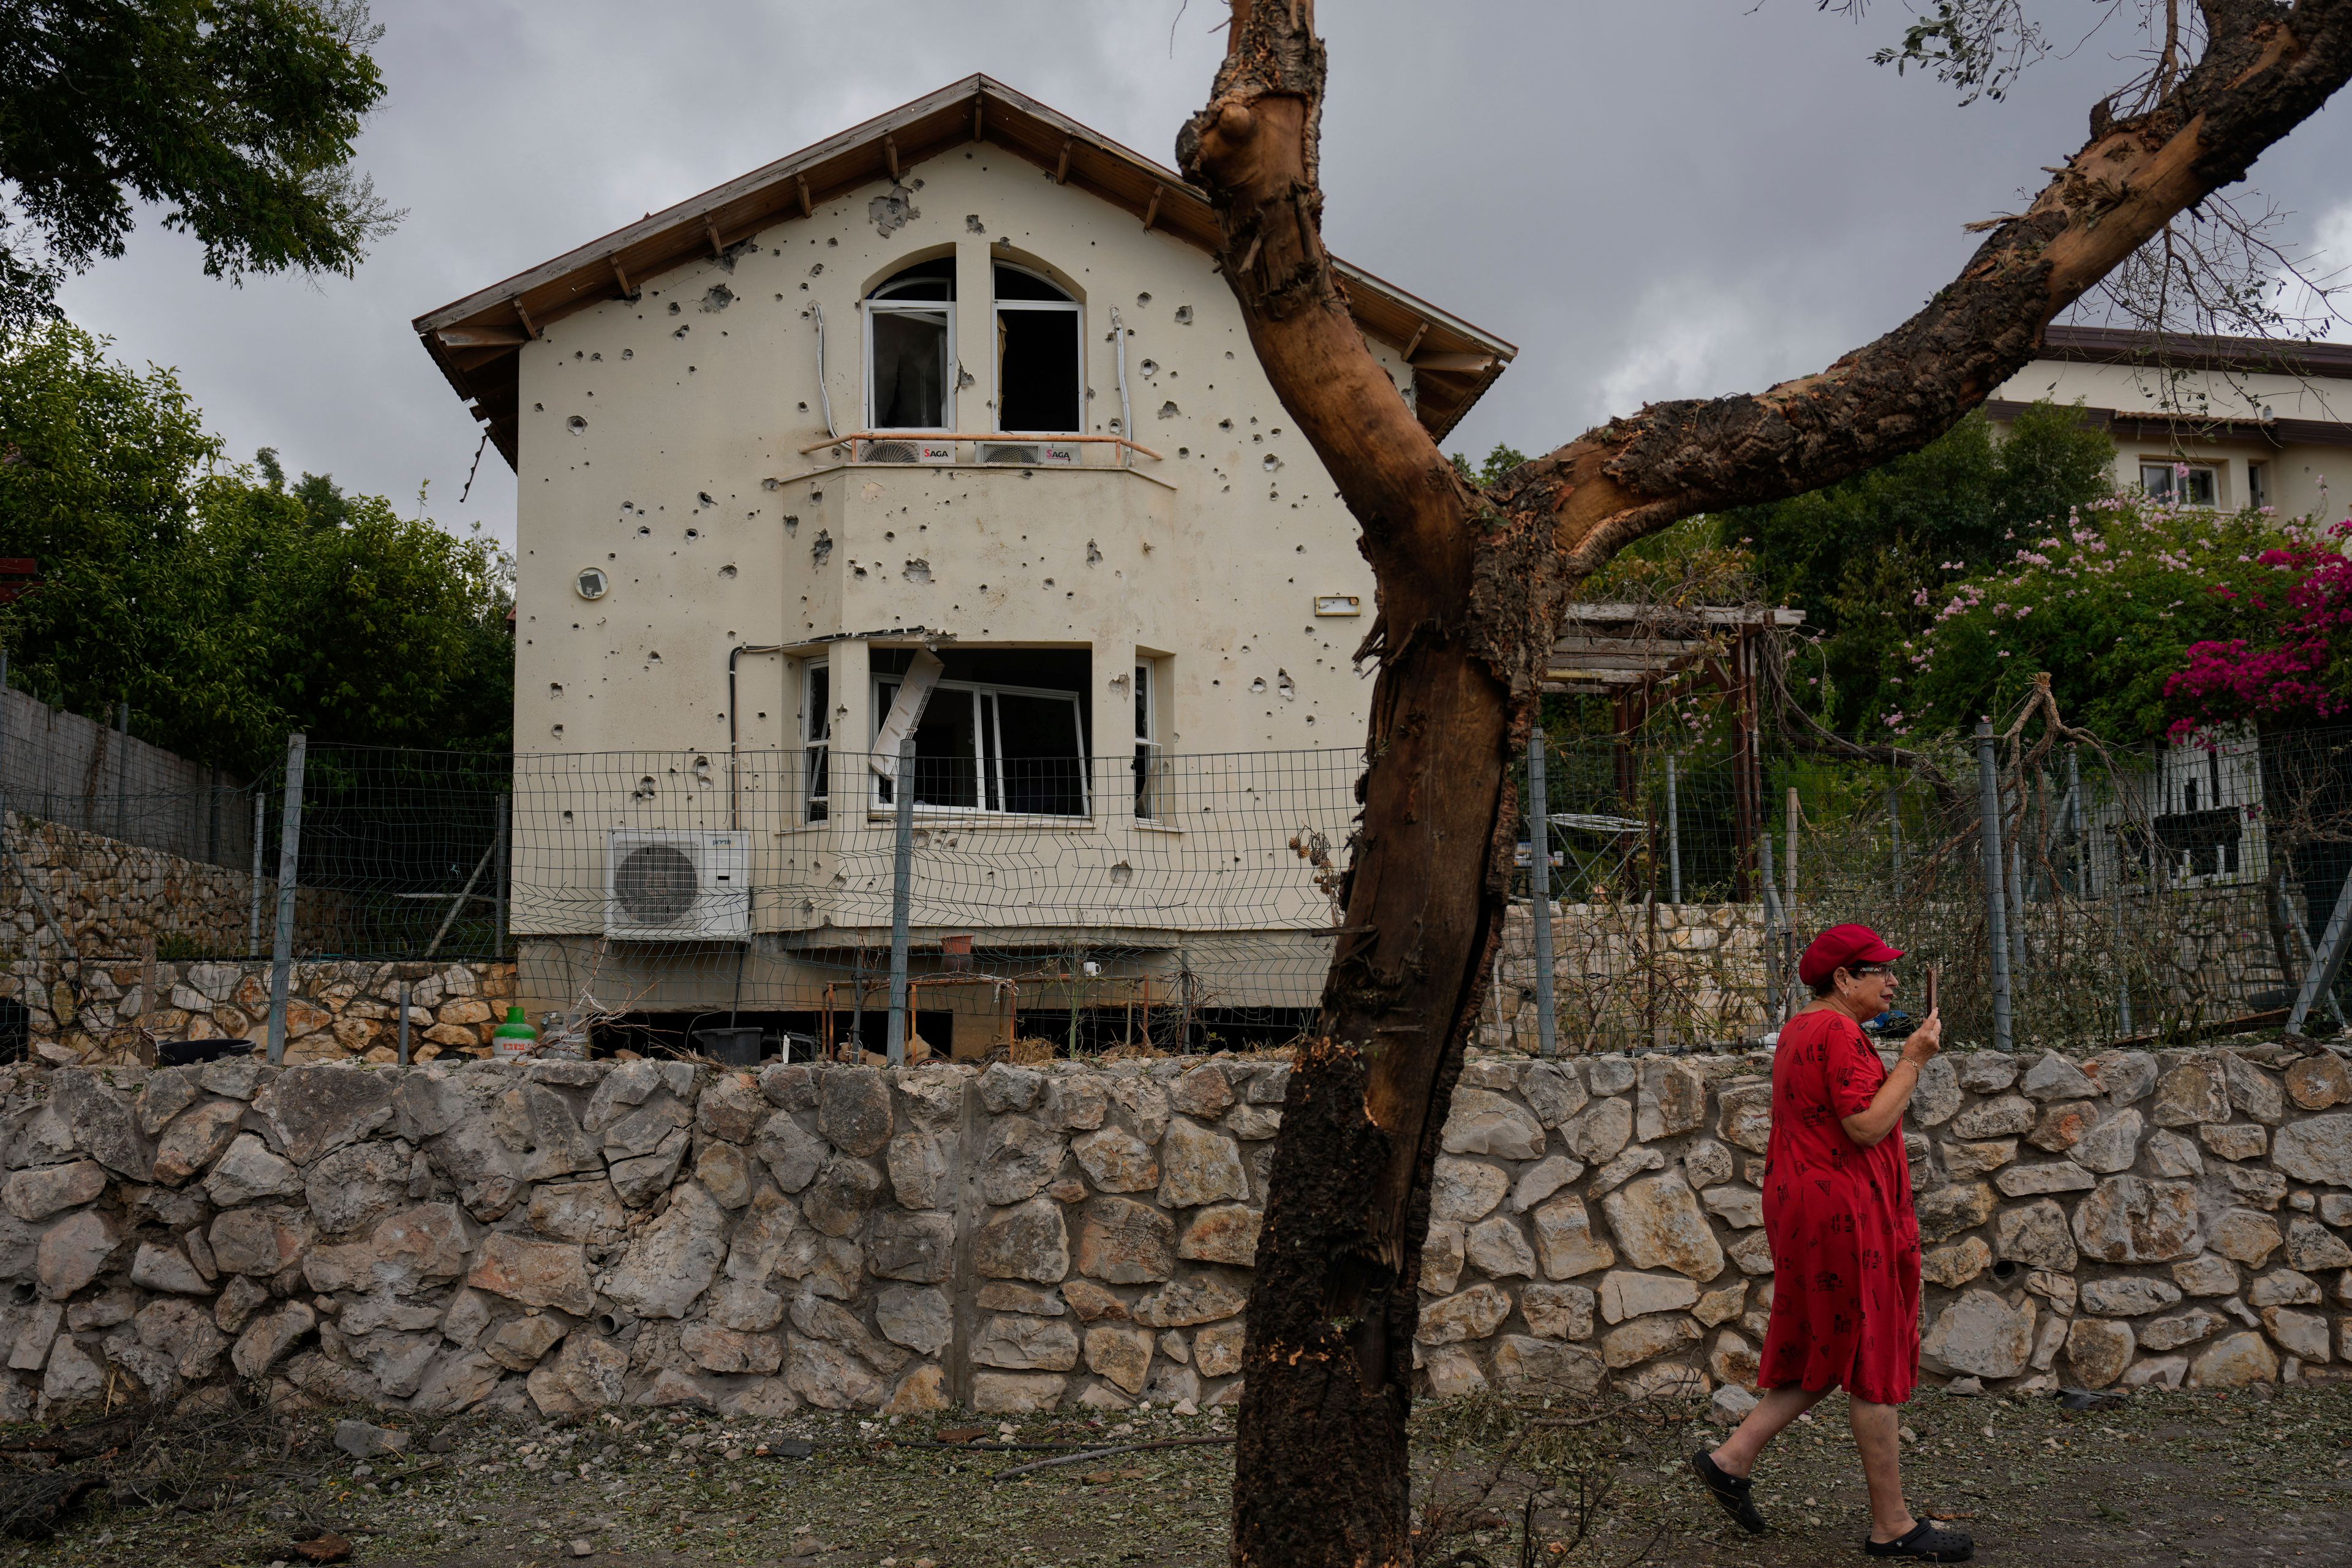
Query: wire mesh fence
[[2144, 891], [1184, 900]]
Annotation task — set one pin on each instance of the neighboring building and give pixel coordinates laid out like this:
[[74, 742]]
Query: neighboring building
[[965, 383], [2256, 422]]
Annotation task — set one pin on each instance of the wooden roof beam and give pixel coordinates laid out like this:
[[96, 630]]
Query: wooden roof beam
[[1151, 209], [890, 155], [524, 316], [1062, 167], [622, 278]]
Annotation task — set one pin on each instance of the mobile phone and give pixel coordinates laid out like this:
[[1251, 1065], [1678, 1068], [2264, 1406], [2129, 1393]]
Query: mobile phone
[[1931, 990]]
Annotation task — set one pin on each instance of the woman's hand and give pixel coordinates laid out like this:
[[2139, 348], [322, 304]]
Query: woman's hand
[[1925, 1040]]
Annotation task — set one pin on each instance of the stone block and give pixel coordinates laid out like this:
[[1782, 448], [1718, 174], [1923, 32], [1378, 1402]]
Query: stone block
[[1658, 1225], [1484, 1122], [1472, 1315], [1625, 1294], [1946, 1211], [1643, 1339], [536, 1273], [1526, 1364], [672, 1260], [1985, 1072], [1117, 1161], [2126, 1077], [1125, 1242], [1017, 1158], [2235, 1361], [1963, 1162], [1199, 1165], [853, 1109], [2252, 1092], [1025, 1344], [36, 1195], [2099, 1350], [2112, 1146], [2127, 1298], [2127, 1219], [2245, 1234], [2009, 1115], [1027, 1241], [2317, 1082], [2064, 1125], [2236, 1141], [2170, 1155], [1953, 1266], [1980, 1336], [2284, 1287], [1743, 1117], [2312, 1247], [2172, 1332], [2052, 1177], [2191, 1094], [1227, 1233], [2035, 1234], [1203, 1092], [1672, 1099], [2318, 1150], [2300, 1334], [1705, 1163], [2052, 1077], [317, 1110]]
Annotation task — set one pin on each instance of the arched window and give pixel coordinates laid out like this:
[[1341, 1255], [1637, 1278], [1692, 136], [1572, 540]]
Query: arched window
[[1040, 366], [910, 349]]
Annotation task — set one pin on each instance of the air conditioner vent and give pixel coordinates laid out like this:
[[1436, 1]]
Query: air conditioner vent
[[1007, 452], [889, 452]]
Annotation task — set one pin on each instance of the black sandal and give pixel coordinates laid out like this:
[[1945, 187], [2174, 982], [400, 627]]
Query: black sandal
[[1924, 1544], [1733, 1494]]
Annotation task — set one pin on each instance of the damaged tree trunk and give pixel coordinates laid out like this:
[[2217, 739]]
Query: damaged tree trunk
[[1472, 584]]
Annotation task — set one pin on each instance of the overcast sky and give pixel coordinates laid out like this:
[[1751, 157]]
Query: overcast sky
[[1652, 198]]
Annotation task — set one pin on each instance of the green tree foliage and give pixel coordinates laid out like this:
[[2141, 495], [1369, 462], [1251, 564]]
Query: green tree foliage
[[1499, 461], [1856, 555], [224, 606], [2109, 602], [238, 116]]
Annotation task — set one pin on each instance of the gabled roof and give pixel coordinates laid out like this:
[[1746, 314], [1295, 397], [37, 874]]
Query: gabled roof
[[477, 340], [2184, 351]]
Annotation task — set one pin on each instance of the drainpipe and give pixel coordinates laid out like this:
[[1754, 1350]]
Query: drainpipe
[[734, 730], [1126, 413], [823, 398]]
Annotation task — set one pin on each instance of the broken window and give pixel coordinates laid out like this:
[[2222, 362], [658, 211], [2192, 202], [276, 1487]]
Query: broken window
[[816, 737], [1004, 731], [2185, 484], [1147, 769], [910, 349], [1038, 358]]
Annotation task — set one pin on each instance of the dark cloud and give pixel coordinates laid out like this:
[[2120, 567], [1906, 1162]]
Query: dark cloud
[[1660, 199]]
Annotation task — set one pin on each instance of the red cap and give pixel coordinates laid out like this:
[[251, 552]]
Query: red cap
[[1841, 947]]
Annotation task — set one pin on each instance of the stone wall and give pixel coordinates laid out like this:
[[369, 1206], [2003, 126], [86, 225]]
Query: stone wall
[[558, 1236], [114, 899], [334, 1010]]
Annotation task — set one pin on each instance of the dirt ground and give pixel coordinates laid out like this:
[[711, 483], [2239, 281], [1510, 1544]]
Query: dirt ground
[[2160, 1477]]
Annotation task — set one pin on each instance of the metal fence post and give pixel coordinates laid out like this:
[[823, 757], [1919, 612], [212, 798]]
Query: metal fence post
[[902, 861], [2326, 962], [289, 851], [1895, 822], [1673, 835], [1771, 912], [122, 770], [1996, 905], [260, 831], [506, 814], [1539, 891]]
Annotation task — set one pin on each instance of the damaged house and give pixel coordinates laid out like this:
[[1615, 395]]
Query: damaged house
[[945, 426]]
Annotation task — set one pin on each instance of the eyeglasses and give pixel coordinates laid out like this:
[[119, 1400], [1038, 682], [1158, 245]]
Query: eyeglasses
[[1860, 970]]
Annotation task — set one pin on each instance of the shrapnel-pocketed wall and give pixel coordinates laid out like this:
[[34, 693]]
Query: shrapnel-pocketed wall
[[554, 1237]]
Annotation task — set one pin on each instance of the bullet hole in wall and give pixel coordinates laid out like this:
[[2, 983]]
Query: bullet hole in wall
[[694, 533], [643, 531], [628, 353], [1151, 367], [539, 408], [818, 271], [675, 307], [1183, 315], [793, 523], [973, 224], [1168, 410], [1272, 462], [1143, 298], [718, 298], [822, 550], [596, 356], [727, 571], [704, 496], [575, 423]]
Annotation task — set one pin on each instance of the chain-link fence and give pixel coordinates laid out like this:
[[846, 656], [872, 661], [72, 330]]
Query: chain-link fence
[[1189, 900], [2132, 892]]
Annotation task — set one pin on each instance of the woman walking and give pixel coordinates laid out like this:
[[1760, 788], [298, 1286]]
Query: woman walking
[[1845, 1241]]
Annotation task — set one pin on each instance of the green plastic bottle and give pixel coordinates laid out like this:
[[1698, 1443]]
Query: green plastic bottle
[[515, 1037]]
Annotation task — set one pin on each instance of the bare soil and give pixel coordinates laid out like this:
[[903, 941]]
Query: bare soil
[[2160, 1479]]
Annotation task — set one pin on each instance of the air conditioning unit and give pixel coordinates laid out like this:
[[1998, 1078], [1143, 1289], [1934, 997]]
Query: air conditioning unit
[[668, 885], [1031, 454], [936, 452]]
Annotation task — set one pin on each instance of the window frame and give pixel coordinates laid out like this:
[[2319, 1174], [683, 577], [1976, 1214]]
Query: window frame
[[816, 741], [879, 303], [1151, 758], [988, 763], [2258, 485], [2174, 480], [997, 307]]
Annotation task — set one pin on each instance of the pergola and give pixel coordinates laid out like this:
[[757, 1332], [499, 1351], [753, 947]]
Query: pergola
[[1635, 654]]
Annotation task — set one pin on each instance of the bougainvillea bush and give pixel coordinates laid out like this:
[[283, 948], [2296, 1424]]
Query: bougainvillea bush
[[2149, 616], [2293, 663]]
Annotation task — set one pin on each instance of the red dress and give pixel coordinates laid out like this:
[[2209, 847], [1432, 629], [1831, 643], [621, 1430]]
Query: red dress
[[1846, 1240]]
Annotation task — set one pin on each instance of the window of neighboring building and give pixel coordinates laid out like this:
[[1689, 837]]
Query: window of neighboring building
[[2186, 484], [816, 737], [1039, 361], [1149, 779], [910, 349], [990, 741], [2258, 485]]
